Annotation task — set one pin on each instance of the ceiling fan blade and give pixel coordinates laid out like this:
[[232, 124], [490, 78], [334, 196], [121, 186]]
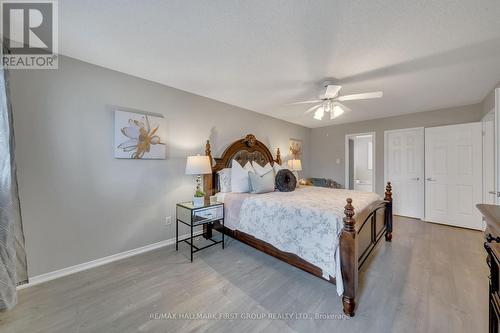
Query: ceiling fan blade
[[306, 102], [375, 94], [312, 109]]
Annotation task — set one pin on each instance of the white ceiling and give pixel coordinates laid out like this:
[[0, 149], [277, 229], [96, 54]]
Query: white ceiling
[[262, 55]]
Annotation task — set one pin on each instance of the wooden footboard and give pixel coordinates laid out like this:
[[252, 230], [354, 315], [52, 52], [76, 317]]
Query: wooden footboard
[[358, 240]]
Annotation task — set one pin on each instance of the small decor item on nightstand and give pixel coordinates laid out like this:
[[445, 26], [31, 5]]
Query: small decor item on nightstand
[[198, 199], [198, 165], [306, 182]]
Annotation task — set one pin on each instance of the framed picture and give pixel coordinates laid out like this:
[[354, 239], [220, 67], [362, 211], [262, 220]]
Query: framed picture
[[139, 135], [295, 147]]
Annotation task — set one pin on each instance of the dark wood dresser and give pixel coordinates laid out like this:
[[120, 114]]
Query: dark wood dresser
[[491, 214]]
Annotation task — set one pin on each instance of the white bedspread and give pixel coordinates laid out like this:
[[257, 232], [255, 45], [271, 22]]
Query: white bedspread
[[306, 222]]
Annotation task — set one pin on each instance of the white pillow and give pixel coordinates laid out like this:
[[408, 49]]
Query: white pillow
[[225, 180], [277, 167], [240, 181], [262, 170]]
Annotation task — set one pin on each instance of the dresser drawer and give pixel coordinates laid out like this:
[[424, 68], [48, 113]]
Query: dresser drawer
[[493, 263], [211, 213]]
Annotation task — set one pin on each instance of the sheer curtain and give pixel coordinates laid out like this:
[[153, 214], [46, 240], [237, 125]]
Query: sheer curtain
[[12, 252]]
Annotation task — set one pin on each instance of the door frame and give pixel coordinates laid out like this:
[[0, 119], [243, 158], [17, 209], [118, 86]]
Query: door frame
[[490, 117], [346, 164], [497, 142], [422, 167]]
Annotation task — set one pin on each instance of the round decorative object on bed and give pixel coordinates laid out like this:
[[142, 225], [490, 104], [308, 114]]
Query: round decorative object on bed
[[285, 181]]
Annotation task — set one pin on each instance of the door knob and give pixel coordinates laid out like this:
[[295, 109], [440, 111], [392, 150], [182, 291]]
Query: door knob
[[416, 178], [495, 193], [431, 179]]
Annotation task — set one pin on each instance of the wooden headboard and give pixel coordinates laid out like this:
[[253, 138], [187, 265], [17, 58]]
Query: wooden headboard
[[243, 151]]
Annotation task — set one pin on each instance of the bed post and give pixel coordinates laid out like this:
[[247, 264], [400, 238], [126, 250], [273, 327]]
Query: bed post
[[278, 156], [208, 188], [207, 179], [388, 211], [349, 259]]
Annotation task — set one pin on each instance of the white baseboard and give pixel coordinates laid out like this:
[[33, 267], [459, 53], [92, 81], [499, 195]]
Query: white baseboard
[[35, 280]]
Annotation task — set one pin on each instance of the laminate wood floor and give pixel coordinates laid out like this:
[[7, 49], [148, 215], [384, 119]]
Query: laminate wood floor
[[431, 278]]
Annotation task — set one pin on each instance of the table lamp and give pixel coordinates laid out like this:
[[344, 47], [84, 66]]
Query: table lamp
[[198, 165], [295, 166]]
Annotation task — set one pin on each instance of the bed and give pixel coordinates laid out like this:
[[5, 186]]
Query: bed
[[315, 229]]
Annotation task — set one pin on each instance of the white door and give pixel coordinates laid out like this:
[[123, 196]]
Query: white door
[[404, 168], [489, 192], [453, 171]]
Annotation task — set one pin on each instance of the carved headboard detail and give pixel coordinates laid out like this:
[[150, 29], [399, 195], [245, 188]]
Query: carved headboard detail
[[243, 150]]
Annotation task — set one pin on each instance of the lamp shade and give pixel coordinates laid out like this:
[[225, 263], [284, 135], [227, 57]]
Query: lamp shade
[[294, 165], [198, 165]]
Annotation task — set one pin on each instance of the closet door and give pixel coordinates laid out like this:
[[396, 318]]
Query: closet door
[[404, 168], [453, 171]]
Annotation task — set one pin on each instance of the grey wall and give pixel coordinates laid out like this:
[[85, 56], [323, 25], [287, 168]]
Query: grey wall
[[489, 101], [328, 143], [78, 202]]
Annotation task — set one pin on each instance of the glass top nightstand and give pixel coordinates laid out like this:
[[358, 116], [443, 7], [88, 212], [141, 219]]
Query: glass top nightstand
[[193, 216], [189, 205]]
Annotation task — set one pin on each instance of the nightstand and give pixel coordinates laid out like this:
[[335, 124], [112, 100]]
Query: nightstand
[[195, 216]]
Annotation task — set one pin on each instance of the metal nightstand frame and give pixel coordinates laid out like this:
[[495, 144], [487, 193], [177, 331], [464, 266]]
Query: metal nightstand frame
[[193, 224]]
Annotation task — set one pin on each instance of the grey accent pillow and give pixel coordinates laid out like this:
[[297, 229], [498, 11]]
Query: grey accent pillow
[[262, 184]]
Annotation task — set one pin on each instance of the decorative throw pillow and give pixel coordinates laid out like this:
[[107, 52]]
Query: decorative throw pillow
[[320, 182], [262, 184], [262, 170], [240, 181], [225, 180], [285, 181]]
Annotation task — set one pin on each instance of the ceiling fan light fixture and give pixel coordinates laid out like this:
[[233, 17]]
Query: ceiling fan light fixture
[[327, 105], [329, 101], [320, 112], [337, 111]]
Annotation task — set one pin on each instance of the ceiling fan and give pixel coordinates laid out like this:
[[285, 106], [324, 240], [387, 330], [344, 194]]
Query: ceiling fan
[[329, 101]]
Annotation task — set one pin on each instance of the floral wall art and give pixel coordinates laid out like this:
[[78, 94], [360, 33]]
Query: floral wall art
[[295, 148], [139, 136]]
